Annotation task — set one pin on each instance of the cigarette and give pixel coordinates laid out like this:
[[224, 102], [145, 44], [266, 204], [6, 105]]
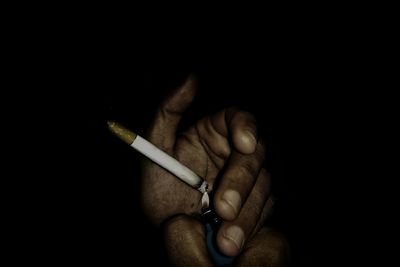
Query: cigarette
[[160, 157]]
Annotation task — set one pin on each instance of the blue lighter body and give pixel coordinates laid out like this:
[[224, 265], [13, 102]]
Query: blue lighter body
[[212, 222]]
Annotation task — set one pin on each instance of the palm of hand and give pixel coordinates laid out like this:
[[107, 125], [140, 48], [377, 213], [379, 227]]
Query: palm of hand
[[164, 195]]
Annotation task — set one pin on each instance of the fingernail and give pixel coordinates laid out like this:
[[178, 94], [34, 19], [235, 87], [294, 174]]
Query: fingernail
[[236, 235], [249, 138], [233, 200]]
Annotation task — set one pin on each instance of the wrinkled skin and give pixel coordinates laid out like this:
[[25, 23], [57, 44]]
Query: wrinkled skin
[[224, 145]]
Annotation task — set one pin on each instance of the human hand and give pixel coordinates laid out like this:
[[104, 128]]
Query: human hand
[[184, 237], [223, 147]]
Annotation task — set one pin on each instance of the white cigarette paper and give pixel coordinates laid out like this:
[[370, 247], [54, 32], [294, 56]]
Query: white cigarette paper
[[169, 163], [160, 157]]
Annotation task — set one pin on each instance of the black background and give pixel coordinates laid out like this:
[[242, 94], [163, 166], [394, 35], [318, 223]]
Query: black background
[[88, 185], [318, 84]]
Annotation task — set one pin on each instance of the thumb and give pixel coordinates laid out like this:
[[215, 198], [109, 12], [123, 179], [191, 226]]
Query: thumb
[[165, 124], [185, 242]]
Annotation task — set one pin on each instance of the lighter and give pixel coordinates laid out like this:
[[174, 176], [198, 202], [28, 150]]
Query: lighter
[[212, 222]]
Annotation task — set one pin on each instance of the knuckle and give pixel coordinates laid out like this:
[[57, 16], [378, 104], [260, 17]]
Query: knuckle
[[246, 169]]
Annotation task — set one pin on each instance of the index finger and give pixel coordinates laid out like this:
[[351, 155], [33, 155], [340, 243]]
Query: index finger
[[237, 182], [238, 126]]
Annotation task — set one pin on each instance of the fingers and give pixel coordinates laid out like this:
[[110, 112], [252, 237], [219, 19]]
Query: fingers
[[267, 248], [239, 126], [243, 161], [237, 182], [185, 242], [184, 237], [244, 131], [168, 116], [232, 235]]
